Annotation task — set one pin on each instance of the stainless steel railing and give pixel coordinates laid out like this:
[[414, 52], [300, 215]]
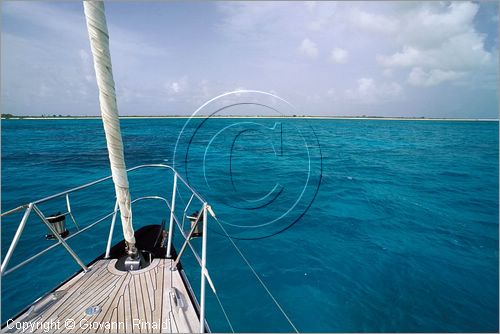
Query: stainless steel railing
[[205, 209]]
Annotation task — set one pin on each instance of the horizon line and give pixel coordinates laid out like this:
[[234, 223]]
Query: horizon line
[[61, 117]]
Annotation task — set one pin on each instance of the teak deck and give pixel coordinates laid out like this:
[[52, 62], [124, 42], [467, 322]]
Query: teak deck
[[151, 300]]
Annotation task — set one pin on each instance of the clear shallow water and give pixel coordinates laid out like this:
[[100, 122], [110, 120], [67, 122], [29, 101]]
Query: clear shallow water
[[401, 236]]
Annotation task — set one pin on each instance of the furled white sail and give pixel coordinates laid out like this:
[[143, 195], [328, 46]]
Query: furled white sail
[[99, 43]]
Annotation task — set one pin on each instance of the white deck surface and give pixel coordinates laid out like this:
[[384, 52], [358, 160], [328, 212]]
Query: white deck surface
[[139, 301]]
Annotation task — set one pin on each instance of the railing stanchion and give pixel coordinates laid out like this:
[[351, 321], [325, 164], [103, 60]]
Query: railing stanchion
[[186, 241], [111, 230], [61, 240], [203, 269], [17, 236], [171, 225]]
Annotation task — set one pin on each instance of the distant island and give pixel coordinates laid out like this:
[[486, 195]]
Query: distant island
[[367, 117]]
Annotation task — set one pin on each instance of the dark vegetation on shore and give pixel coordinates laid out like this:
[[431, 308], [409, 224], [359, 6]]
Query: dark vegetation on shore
[[7, 116]]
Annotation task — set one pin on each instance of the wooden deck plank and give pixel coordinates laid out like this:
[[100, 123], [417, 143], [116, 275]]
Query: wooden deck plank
[[157, 278], [123, 297], [71, 289], [141, 301], [72, 293], [94, 281], [145, 298], [90, 298], [106, 312], [133, 304], [127, 309], [106, 305], [95, 298]]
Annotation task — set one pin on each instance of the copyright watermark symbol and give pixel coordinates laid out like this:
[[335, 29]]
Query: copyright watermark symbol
[[257, 163], [69, 324]]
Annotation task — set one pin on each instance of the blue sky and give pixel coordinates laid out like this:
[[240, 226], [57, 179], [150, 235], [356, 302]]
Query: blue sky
[[432, 59]]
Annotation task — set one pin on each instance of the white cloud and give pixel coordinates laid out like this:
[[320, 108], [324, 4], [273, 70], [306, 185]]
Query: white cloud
[[339, 55], [308, 48], [419, 77], [370, 91], [408, 57], [177, 87], [372, 22], [462, 52], [439, 43], [428, 25]]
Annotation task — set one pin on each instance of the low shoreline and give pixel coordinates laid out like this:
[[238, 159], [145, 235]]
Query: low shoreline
[[265, 117]]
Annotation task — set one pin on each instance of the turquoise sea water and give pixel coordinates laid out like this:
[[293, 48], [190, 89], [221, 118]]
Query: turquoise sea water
[[401, 235]]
